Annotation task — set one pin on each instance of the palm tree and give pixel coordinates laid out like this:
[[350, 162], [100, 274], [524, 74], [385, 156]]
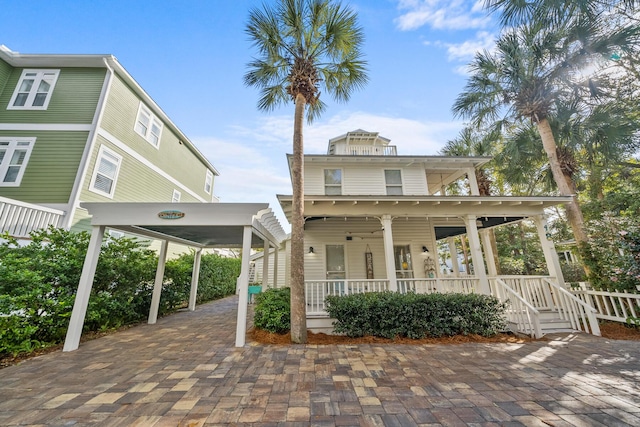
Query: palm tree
[[474, 143], [535, 65], [303, 45]]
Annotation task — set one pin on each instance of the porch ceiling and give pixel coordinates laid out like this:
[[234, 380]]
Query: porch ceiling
[[422, 206]]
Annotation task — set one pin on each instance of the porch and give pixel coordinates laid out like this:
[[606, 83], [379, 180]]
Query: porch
[[537, 305]]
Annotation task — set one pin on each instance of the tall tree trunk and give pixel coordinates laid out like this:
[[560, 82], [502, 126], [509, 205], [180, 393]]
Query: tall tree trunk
[[574, 213], [465, 254], [494, 249], [298, 304]]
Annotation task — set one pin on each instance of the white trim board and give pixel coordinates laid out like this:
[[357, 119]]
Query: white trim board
[[46, 126]]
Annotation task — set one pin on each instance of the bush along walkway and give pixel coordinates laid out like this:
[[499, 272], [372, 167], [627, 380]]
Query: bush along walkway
[[185, 371]]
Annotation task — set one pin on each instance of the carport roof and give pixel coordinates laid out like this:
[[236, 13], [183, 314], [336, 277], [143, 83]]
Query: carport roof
[[203, 225]]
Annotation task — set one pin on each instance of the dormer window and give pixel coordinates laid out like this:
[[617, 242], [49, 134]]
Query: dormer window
[[34, 90], [333, 182], [393, 181]]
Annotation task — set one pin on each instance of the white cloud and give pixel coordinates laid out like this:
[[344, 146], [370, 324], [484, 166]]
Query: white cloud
[[252, 160], [441, 14], [467, 49]]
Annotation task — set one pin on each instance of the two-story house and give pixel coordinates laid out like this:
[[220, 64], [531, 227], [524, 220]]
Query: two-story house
[[79, 128], [373, 219]]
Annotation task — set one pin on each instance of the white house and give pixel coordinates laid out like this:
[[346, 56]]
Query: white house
[[372, 219]]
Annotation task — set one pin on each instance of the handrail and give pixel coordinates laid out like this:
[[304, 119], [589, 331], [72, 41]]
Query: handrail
[[614, 306], [571, 315], [532, 327]]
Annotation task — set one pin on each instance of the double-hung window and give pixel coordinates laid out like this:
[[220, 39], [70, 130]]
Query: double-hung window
[[176, 196], [208, 182], [105, 173], [148, 125], [14, 155], [333, 182], [34, 90], [393, 181]]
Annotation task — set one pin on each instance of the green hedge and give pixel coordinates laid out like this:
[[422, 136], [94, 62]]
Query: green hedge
[[38, 283], [391, 315], [273, 310]]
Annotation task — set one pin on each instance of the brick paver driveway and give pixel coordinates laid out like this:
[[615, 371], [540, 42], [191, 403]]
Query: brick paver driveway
[[184, 371]]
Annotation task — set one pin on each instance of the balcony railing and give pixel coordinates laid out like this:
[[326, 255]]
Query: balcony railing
[[366, 150], [20, 218]]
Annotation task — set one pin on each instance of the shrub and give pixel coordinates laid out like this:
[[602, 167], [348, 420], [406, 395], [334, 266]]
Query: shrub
[[38, 284], [273, 310], [411, 315], [217, 279]]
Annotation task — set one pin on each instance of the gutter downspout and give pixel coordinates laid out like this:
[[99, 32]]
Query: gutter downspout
[[74, 200]]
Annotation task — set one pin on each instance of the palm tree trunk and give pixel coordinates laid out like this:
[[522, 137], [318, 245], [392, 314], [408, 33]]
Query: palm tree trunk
[[298, 304], [574, 213], [465, 254]]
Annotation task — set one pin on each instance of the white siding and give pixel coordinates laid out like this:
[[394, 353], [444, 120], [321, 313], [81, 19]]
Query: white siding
[[314, 179], [282, 260], [414, 232], [414, 181], [364, 179]]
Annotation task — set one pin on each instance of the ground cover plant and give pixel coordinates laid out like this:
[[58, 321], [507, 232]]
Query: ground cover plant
[[38, 283]]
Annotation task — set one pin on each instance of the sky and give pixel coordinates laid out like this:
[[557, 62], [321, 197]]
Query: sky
[[191, 55]]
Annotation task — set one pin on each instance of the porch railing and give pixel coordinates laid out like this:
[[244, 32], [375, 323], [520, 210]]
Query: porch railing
[[614, 306], [581, 314], [545, 295], [366, 150], [524, 317], [20, 218], [317, 290], [463, 285]]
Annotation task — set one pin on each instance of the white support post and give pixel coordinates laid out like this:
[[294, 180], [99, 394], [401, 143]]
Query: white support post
[[388, 252], [488, 253], [72, 340], [473, 182], [453, 251], [195, 277], [275, 267], [243, 288], [265, 265], [549, 250], [157, 285], [476, 254]]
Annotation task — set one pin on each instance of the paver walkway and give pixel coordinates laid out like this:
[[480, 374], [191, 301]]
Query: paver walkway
[[184, 371]]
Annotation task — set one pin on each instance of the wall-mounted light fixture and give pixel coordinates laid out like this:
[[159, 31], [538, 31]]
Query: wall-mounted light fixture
[[311, 249], [424, 249]]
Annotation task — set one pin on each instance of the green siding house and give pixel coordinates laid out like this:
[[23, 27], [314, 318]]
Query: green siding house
[[78, 128]]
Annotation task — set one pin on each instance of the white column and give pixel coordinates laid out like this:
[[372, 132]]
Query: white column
[[473, 182], [476, 254], [488, 252], [157, 285], [72, 340], [265, 265], [388, 252], [453, 251], [243, 288], [275, 267], [549, 250], [195, 277]]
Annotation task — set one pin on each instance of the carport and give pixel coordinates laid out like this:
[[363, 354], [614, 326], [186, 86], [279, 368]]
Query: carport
[[198, 225]]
